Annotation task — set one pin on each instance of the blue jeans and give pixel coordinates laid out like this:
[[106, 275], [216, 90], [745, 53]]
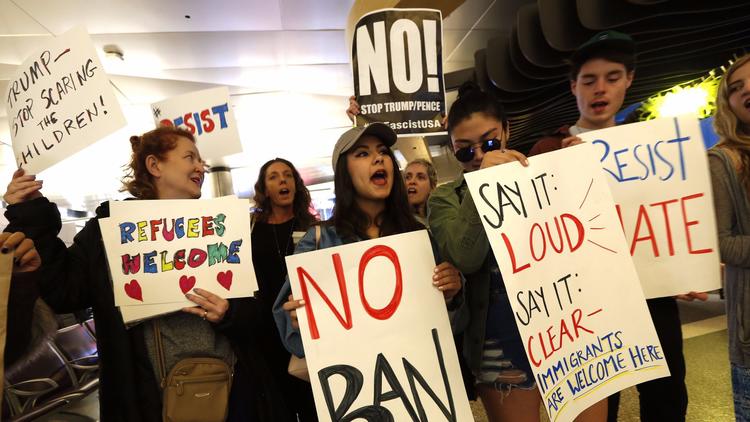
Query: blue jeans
[[741, 393]]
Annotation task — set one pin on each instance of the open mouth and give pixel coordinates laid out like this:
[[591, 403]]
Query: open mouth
[[747, 103], [197, 180], [284, 191], [411, 191], [379, 178], [599, 106]]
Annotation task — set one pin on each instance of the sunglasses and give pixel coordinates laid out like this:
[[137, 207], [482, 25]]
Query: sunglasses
[[466, 154]]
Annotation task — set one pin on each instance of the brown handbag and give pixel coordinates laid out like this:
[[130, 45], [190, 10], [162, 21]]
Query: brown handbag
[[196, 389]]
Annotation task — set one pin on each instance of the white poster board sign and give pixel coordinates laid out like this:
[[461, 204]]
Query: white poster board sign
[[162, 249], [60, 101], [658, 174], [376, 333], [574, 290], [207, 115]]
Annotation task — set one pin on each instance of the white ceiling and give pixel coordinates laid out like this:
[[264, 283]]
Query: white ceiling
[[285, 62]]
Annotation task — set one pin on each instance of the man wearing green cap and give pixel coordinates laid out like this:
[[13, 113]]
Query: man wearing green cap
[[601, 71]]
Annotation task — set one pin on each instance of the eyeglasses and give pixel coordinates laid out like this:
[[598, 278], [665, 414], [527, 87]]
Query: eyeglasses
[[466, 154]]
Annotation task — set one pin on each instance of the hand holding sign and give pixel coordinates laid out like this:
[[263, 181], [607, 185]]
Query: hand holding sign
[[210, 307], [22, 187], [25, 256], [447, 279], [291, 306], [502, 156]]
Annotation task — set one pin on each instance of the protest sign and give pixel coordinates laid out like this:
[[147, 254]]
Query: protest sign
[[59, 102], [658, 174], [6, 271], [376, 333], [160, 250], [397, 59], [207, 115], [570, 280]]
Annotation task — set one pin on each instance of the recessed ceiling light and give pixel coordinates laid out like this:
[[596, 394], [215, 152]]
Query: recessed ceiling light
[[113, 52]]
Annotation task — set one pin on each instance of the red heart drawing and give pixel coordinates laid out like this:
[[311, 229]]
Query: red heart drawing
[[133, 290], [186, 283], [225, 279]]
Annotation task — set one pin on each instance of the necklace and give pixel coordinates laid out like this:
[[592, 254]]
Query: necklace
[[288, 239]]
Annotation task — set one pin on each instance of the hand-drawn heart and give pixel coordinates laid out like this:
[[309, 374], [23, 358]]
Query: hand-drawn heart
[[225, 279], [187, 283], [133, 290]]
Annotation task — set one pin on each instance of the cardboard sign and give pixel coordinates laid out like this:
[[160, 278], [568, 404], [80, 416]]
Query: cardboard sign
[[6, 270], [207, 115], [397, 59], [658, 174], [376, 332], [59, 102], [159, 250], [572, 285]]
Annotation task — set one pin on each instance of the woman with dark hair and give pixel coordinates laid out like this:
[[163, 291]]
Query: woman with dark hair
[[282, 208], [729, 161], [165, 164], [492, 343], [370, 203]]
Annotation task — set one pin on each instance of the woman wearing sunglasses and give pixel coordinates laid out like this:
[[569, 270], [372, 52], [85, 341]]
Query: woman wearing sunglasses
[[492, 344]]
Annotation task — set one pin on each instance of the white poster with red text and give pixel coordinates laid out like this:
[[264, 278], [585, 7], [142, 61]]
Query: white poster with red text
[[207, 115], [658, 174], [376, 334], [572, 285]]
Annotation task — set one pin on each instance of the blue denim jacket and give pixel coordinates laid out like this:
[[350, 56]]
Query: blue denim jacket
[[290, 336]]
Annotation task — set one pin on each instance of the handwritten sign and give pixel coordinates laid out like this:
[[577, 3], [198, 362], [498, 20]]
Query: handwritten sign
[[658, 174], [207, 115], [397, 58], [378, 289], [573, 287], [59, 102], [160, 250]]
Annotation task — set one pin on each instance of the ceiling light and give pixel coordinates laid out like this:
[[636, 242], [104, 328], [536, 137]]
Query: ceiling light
[[113, 52]]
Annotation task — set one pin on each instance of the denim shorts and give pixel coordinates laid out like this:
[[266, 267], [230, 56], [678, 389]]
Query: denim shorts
[[504, 363], [505, 366]]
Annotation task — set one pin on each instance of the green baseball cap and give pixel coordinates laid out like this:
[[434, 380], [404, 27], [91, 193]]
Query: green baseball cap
[[605, 40]]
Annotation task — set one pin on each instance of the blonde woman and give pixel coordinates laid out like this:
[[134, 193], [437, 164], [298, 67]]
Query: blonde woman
[[730, 172]]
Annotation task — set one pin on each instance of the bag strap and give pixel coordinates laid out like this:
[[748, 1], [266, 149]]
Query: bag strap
[[252, 221], [161, 361], [317, 236]]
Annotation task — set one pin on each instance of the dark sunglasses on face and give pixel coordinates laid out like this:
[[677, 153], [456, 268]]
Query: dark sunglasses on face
[[466, 154]]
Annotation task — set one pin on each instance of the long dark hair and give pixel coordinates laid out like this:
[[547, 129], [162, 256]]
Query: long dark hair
[[471, 99], [301, 205], [351, 222]]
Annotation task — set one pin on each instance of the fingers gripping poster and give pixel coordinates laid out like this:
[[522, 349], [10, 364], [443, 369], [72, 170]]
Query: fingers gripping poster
[[572, 285], [397, 59], [60, 101], [658, 174], [207, 115], [160, 250], [376, 334]]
